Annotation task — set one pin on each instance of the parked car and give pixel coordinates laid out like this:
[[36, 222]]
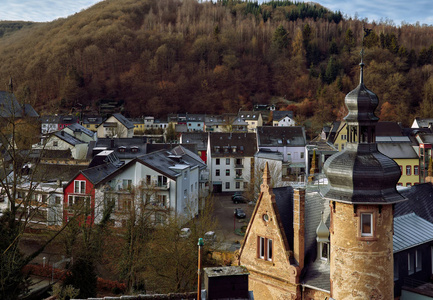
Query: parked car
[[239, 213], [185, 233], [239, 198], [209, 237]]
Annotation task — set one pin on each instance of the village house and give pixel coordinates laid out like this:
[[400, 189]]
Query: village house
[[230, 160], [283, 118], [166, 182], [115, 126], [254, 119], [290, 142]]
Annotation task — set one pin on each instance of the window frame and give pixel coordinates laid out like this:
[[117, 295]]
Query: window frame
[[408, 170], [217, 172], [371, 232], [410, 264], [78, 187], [416, 170], [227, 161], [265, 248], [418, 260]]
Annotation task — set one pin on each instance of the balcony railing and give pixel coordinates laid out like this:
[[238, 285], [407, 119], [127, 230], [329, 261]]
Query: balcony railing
[[239, 166]]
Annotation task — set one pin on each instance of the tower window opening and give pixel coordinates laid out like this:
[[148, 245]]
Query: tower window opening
[[366, 224]]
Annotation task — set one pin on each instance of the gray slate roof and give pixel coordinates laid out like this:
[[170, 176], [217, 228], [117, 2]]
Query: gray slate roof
[[68, 138], [249, 115], [410, 231], [78, 127], [245, 143], [49, 119], [128, 124], [139, 144], [397, 150], [277, 115], [97, 174], [420, 202], [198, 138], [10, 107], [284, 201], [279, 136], [316, 273]]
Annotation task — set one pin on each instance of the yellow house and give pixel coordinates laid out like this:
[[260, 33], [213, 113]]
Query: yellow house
[[253, 118], [405, 156], [139, 127], [338, 135], [91, 122]]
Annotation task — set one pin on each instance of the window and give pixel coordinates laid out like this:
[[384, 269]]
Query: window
[[185, 194], [162, 181], [366, 224], [238, 185], [245, 185], [79, 187], [302, 154], [324, 250], [399, 184], [58, 200], [227, 161], [44, 198], [408, 184], [148, 179], [415, 170], [343, 136], [227, 172], [217, 172], [408, 170], [401, 170], [192, 188], [227, 185], [265, 248], [217, 161], [126, 184], [55, 143], [342, 147], [410, 264], [418, 260], [185, 175]]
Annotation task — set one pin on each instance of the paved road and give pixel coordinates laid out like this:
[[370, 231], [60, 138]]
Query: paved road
[[223, 210]]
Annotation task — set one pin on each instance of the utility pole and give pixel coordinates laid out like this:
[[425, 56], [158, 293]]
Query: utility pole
[[200, 250]]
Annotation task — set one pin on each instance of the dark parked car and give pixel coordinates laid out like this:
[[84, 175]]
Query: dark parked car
[[239, 213], [239, 198]]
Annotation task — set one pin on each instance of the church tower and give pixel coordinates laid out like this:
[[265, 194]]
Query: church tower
[[362, 193]]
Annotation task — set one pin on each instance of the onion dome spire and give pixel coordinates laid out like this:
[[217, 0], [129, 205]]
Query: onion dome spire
[[361, 174]]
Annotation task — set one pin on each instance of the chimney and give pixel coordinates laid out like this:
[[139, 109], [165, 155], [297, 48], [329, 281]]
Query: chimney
[[112, 143], [226, 282], [299, 226]]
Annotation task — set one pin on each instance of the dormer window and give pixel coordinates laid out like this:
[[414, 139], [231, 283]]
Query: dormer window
[[280, 141], [324, 251], [322, 238], [134, 149], [122, 149]]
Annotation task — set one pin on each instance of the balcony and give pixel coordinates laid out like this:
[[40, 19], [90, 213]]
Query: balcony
[[239, 166], [239, 177]]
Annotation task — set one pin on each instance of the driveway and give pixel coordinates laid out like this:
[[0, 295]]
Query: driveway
[[224, 212]]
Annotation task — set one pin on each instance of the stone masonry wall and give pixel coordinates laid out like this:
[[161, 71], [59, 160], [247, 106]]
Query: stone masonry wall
[[361, 268]]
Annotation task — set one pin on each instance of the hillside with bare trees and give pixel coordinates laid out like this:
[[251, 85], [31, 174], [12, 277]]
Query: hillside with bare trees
[[170, 56]]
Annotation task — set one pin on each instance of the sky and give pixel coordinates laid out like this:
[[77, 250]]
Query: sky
[[374, 10]]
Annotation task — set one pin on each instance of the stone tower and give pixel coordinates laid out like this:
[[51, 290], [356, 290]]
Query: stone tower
[[362, 193]]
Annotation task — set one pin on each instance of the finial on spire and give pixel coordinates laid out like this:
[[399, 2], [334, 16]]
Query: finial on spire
[[266, 175], [361, 77], [10, 85]]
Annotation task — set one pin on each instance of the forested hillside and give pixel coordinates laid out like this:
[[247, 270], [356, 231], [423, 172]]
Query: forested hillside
[[166, 56]]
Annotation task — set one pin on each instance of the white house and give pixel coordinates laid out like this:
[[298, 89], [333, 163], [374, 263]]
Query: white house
[[283, 118], [116, 126], [290, 142], [162, 182], [230, 157]]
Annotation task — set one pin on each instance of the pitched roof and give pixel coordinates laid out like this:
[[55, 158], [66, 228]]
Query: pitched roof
[[10, 107], [277, 115], [66, 137], [78, 127], [420, 202], [423, 123], [128, 124], [97, 174], [397, 150], [222, 144], [277, 136], [50, 119], [92, 120], [249, 115], [315, 273], [68, 119], [284, 201], [122, 146], [198, 138], [410, 231]]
